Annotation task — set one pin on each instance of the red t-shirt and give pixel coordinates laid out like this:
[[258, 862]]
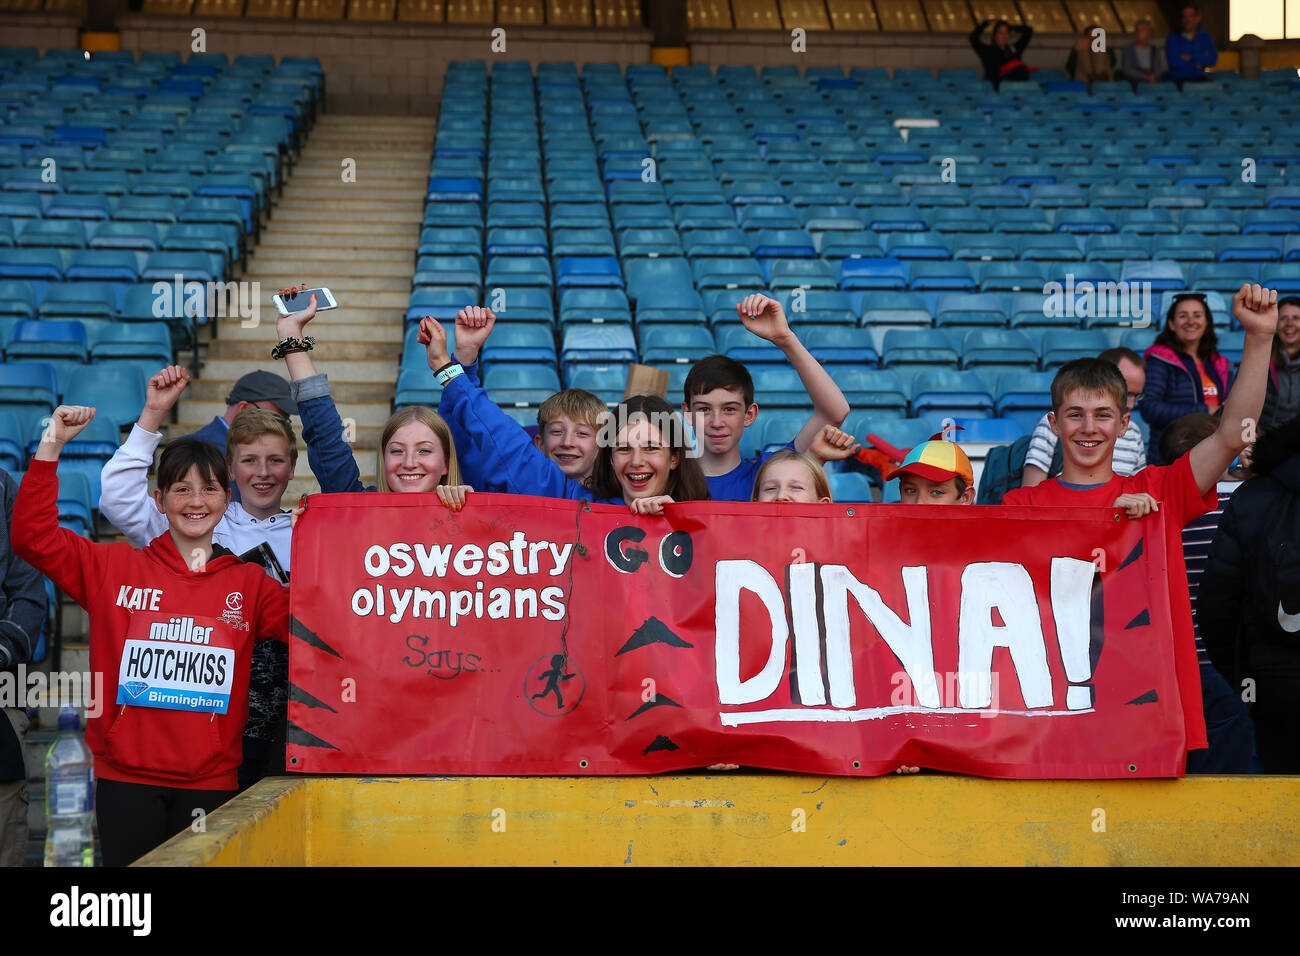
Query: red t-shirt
[[1209, 391], [1174, 486]]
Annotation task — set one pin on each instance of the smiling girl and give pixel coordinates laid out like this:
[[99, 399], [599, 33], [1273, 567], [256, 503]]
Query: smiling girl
[[642, 459], [165, 745], [416, 450], [1185, 372]]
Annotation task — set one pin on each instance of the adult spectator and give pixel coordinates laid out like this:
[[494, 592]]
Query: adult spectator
[[260, 389], [1089, 65], [1282, 401], [22, 612], [1227, 721], [1130, 455], [1002, 58], [1191, 51], [1141, 61], [1248, 607], [1185, 372]]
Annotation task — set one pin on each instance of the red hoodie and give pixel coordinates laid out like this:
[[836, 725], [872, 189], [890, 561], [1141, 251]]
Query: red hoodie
[[177, 626]]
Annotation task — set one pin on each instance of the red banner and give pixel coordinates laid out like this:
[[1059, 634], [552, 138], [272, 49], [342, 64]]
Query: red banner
[[534, 636]]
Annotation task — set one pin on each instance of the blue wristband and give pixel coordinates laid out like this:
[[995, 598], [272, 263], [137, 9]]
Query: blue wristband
[[445, 375]]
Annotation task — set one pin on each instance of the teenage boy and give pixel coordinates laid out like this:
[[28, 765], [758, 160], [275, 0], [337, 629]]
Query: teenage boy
[[1130, 450], [1088, 401], [719, 401], [935, 472], [260, 389], [261, 453], [567, 422]]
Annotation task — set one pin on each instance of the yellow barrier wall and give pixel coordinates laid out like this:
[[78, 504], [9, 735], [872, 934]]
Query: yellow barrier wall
[[750, 819]]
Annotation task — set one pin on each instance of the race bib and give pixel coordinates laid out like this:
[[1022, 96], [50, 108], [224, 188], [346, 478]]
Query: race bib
[[176, 663]]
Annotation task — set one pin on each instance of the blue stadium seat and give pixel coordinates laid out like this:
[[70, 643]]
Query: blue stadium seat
[[117, 391], [1009, 276], [514, 271], [1160, 273], [800, 274], [1282, 276], [597, 344], [13, 453], [821, 306], [670, 305], [665, 343], [885, 273], [190, 266], [82, 458], [966, 309], [941, 276], [737, 342], [606, 382], [49, 341], [443, 303], [30, 391], [988, 431], [52, 233], [1059, 347], [1231, 344], [148, 345], [516, 215], [648, 275], [17, 299], [917, 347], [779, 386], [109, 265], [521, 384], [1185, 248], [587, 305], [415, 386], [592, 272], [69, 300], [938, 393], [584, 241], [997, 347], [839, 344], [1257, 247], [138, 236], [850, 487], [1024, 396], [715, 273]]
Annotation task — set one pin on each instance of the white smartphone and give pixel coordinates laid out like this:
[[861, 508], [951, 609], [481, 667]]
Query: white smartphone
[[297, 301]]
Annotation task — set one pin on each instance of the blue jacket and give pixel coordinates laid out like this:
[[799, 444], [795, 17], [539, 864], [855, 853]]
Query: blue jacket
[[1173, 389], [1202, 51], [490, 443], [471, 468], [328, 454]]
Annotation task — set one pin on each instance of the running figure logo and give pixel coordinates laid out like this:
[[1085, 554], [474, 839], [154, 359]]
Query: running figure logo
[[548, 678]]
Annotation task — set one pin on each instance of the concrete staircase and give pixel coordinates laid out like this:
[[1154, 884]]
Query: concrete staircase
[[357, 239]]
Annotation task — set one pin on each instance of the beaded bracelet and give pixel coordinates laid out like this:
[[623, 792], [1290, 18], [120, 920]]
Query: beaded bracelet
[[291, 344]]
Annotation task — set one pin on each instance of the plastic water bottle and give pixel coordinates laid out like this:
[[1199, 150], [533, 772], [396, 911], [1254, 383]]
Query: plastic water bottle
[[69, 796]]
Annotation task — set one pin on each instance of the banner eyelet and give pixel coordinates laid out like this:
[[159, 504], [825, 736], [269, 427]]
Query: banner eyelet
[[1132, 768], [582, 764], [857, 765]]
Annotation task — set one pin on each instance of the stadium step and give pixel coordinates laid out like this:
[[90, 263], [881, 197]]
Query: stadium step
[[357, 239]]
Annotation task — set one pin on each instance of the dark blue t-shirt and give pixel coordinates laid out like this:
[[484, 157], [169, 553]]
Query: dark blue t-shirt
[[738, 484]]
